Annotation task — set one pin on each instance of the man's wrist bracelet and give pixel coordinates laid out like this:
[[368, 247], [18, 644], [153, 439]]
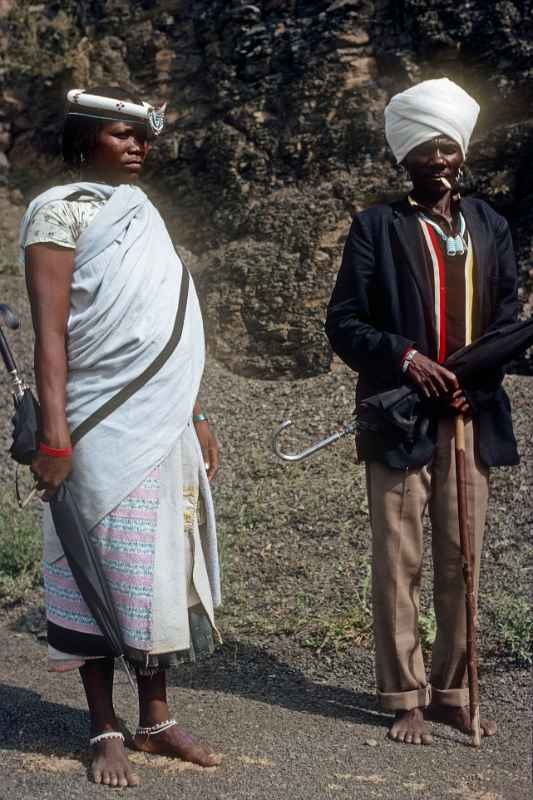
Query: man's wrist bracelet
[[199, 418], [55, 452], [407, 359]]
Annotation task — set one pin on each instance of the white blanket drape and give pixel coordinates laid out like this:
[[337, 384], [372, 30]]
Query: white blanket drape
[[124, 299]]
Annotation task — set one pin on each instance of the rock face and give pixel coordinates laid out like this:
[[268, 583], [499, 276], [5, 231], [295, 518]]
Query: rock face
[[275, 135]]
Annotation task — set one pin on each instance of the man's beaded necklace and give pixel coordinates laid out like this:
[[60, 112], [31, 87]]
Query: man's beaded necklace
[[455, 245]]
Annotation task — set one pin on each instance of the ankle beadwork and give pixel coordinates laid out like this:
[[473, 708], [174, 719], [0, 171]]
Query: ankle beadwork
[[153, 730], [107, 735]]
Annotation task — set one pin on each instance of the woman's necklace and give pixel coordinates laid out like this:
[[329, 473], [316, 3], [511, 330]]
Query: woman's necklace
[[455, 245]]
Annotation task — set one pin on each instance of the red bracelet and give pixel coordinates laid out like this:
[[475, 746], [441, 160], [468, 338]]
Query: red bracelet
[[55, 452]]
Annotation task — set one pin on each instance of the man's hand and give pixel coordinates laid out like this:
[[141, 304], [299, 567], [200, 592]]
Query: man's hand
[[460, 404], [210, 447], [432, 379], [50, 472]]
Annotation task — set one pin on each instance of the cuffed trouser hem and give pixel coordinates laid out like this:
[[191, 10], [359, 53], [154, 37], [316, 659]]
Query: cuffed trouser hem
[[405, 701], [449, 697]]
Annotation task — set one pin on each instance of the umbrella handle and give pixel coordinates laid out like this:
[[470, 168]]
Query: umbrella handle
[[346, 429], [33, 493], [9, 318], [28, 499], [7, 355]]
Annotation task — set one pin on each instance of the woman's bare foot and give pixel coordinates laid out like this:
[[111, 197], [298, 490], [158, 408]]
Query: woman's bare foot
[[409, 727], [175, 741], [110, 764], [458, 717]]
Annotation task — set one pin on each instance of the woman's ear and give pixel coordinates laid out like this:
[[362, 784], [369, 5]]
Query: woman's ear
[[402, 166]]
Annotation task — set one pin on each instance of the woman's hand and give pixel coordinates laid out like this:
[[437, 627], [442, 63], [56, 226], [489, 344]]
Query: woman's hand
[[210, 447], [50, 472], [432, 379]]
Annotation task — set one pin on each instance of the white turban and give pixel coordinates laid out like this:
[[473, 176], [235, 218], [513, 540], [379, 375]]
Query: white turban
[[429, 109]]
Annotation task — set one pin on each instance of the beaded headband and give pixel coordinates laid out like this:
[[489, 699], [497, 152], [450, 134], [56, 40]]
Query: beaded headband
[[107, 108]]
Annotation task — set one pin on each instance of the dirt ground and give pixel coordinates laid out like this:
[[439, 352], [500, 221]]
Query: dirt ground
[[289, 697], [282, 734]]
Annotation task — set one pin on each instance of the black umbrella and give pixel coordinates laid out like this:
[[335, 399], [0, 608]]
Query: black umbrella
[[87, 571], [77, 546], [26, 419], [404, 413], [491, 351]]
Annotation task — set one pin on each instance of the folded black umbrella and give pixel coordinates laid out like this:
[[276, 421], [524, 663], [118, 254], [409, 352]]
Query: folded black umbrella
[[26, 428], [406, 412], [491, 351], [85, 567], [87, 571], [405, 416], [26, 419]]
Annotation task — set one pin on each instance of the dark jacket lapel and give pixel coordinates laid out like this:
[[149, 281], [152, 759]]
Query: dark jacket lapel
[[409, 248]]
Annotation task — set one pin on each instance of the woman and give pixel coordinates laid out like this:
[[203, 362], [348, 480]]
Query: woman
[[104, 284], [420, 278]]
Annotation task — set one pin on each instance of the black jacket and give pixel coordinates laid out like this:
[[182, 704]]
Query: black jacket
[[382, 304]]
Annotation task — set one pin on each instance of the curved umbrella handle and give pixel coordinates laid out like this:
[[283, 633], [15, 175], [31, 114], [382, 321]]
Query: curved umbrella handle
[[8, 317], [346, 429]]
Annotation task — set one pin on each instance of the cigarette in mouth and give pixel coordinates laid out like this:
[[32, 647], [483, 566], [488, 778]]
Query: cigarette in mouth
[[446, 183]]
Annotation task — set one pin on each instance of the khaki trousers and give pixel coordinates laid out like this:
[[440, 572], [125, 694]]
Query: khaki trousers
[[397, 501]]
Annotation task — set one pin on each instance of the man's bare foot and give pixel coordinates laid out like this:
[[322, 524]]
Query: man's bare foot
[[409, 727], [458, 717], [110, 764], [175, 741]]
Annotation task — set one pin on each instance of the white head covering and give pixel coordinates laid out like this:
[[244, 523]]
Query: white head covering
[[426, 110], [85, 104]]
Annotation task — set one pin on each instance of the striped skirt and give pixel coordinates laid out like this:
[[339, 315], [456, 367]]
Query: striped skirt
[[154, 548]]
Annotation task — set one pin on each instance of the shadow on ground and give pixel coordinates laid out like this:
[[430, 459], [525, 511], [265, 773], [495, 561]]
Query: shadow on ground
[[31, 724], [254, 673]]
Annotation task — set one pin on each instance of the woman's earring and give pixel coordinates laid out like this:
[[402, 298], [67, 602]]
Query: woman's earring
[[460, 175]]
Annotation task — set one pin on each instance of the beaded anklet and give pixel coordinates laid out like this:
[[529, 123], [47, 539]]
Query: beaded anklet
[[153, 730], [107, 735]]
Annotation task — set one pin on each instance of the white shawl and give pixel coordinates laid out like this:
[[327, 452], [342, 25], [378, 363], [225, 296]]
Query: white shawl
[[124, 299]]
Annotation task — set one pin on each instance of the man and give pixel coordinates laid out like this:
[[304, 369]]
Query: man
[[419, 279]]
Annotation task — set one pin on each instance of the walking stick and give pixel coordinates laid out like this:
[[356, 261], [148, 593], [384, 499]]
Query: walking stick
[[468, 572]]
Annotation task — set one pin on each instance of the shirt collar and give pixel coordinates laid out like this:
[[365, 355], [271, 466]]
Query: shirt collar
[[455, 202]]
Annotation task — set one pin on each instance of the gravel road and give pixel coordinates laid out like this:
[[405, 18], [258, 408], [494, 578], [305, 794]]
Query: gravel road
[[281, 733]]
